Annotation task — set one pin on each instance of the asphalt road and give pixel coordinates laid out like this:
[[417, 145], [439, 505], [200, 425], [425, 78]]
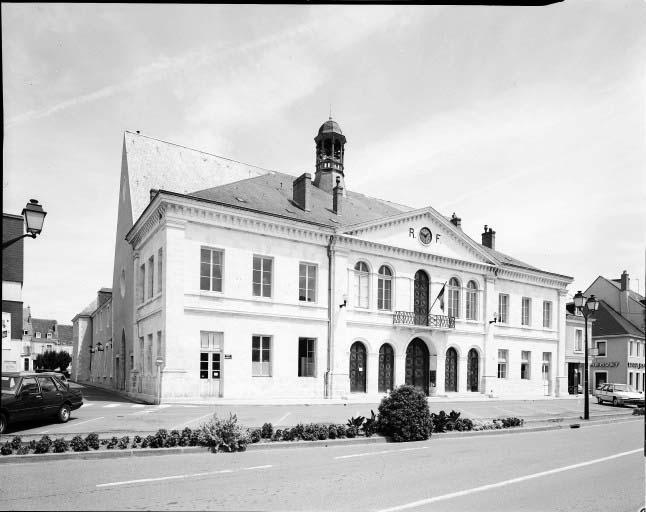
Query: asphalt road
[[595, 468], [107, 412]]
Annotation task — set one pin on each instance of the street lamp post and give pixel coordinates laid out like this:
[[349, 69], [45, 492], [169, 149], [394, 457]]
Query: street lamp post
[[34, 218], [587, 307]]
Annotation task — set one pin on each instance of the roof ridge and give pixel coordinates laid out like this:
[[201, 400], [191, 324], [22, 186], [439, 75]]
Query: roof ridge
[[199, 151]]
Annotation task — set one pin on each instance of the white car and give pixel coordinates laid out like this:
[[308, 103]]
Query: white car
[[620, 394]]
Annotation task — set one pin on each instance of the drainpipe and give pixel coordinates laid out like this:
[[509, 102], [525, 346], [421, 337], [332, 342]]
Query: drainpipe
[[330, 314]]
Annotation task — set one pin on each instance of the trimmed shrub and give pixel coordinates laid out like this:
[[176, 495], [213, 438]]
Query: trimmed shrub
[[332, 432], [78, 444], [43, 445], [309, 432], [60, 445], [278, 434], [288, 434], [173, 439], [161, 437], [464, 424], [92, 441], [341, 431], [16, 442], [123, 443], [638, 411], [322, 432], [224, 435], [267, 431], [32, 445], [6, 449], [297, 431], [404, 415], [255, 435], [112, 443], [511, 422]]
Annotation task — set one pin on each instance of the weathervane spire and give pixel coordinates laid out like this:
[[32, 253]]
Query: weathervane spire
[[330, 111]]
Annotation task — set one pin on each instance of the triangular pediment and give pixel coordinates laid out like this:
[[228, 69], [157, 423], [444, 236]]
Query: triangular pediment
[[424, 230]]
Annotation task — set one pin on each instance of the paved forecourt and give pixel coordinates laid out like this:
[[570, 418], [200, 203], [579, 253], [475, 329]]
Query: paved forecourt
[[104, 411], [530, 471]]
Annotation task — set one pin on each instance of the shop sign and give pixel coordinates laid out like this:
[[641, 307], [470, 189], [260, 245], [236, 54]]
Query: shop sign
[[639, 366], [605, 364]]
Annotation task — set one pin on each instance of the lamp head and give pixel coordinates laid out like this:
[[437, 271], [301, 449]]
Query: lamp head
[[34, 217], [579, 300]]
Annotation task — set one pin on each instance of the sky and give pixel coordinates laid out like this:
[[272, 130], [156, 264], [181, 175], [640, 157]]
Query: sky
[[528, 119]]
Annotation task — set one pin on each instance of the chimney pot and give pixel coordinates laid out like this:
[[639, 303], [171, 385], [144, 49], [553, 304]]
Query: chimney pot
[[456, 221], [302, 191], [489, 238], [625, 281]]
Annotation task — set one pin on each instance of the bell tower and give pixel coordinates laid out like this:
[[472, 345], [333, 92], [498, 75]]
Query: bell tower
[[330, 150]]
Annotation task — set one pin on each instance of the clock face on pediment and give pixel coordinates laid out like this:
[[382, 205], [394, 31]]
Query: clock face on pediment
[[423, 234]]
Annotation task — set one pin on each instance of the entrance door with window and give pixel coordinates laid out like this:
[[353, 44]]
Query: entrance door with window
[[211, 344], [417, 365], [421, 298], [357, 368]]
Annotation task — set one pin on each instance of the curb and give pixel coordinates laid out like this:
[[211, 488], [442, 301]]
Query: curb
[[328, 443]]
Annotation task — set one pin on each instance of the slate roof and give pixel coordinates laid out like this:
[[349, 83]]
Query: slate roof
[[156, 164], [609, 322], [43, 325], [272, 193], [65, 334]]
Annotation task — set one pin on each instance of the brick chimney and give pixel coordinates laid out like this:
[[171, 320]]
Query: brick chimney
[[302, 191], [625, 281], [489, 238], [456, 221], [337, 205]]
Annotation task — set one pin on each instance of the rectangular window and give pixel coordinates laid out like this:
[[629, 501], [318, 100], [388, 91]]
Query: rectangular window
[[261, 356], [210, 354], [630, 347], [49, 348], [49, 337], [211, 276], [601, 347], [141, 283], [503, 308], [384, 291], [526, 311], [547, 361], [472, 304], [547, 314], [307, 282], [578, 340], [306, 357], [262, 276], [630, 378], [525, 364], [159, 270], [151, 276], [37, 335], [502, 364]]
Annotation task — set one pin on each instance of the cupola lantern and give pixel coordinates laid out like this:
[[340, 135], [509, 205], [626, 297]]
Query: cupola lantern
[[330, 150]]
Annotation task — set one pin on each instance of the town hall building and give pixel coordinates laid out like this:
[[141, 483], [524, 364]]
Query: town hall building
[[237, 282]]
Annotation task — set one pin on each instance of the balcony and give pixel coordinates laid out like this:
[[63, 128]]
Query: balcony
[[418, 320]]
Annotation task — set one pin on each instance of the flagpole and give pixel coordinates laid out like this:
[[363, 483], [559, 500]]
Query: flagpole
[[438, 296]]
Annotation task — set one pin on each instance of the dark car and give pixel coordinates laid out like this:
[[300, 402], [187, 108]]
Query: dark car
[[29, 395]]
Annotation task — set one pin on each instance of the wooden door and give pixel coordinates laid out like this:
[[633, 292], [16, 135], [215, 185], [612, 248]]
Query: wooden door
[[421, 298], [451, 375], [472, 370], [357, 368], [386, 365], [417, 365]]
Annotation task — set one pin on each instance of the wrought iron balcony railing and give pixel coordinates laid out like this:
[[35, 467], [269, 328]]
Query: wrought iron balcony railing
[[434, 321]]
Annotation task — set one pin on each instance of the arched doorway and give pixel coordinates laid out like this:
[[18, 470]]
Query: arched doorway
[[357, 368], [417, 365], [386, 368], [421, 298], [472, 370], [451, 373]]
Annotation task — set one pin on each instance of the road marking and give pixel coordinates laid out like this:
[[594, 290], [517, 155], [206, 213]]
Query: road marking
[[179, 477], [282, 419], [79, 423], [110, 405], [137, 406], [382, 452], [466, 492], [186, 424]]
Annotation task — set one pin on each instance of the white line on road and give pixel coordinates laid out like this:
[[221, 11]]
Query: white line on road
[[364, 454], [137, 406], [111, 405], [178, 477], [75, 424], [466, 492], [282, 419], [186, 424]]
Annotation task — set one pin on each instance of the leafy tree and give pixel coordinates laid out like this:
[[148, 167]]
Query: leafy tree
[[51, 360]]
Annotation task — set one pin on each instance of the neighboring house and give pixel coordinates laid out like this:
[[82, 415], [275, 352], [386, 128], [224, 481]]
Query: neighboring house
[[575, 346], [92, 342], [281, 287], [618, 333], [12, 279], [41, 335]]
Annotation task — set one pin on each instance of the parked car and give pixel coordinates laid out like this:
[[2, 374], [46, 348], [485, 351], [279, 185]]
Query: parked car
[[619, 394], [30, 395]]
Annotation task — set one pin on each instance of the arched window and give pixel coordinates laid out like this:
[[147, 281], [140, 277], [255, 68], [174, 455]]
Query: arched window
[[472, 300], [454, 298], [361, 284], [385, 288]]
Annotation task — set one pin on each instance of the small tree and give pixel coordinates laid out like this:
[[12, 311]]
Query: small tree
[[404, 415], [51, 360]]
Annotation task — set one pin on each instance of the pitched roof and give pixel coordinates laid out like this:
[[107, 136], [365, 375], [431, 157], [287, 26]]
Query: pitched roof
[[43, 325], [65, 334], [633, 295], [156, 164], [271, 193], [609, 322]]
